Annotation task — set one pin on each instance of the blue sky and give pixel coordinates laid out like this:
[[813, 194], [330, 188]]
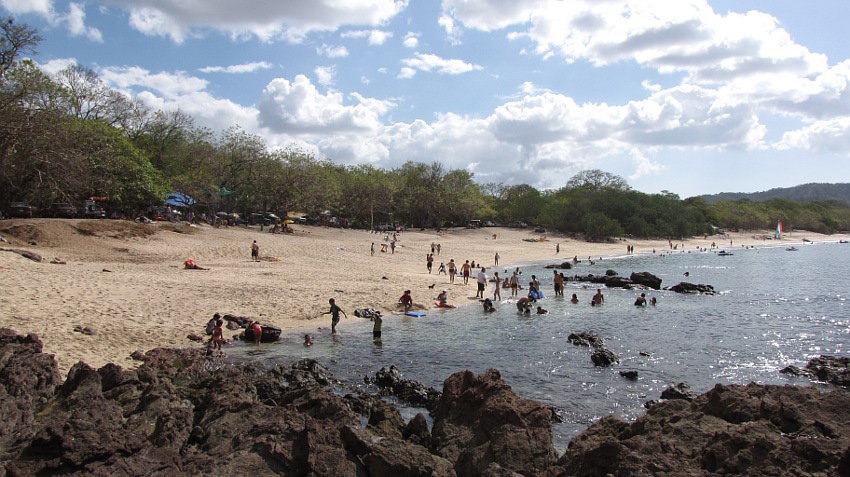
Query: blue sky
[[689, 96]]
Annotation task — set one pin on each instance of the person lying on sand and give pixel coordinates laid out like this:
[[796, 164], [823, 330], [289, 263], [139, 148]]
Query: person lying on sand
[[191, 264]]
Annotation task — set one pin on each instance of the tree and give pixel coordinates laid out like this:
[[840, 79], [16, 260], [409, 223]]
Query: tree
[[15, 39], [594, 180]]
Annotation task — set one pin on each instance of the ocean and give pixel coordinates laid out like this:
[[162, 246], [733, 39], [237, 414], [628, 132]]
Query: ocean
[[773, 308]]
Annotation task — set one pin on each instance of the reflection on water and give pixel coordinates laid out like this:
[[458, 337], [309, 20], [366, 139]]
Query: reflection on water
[[777, 308]]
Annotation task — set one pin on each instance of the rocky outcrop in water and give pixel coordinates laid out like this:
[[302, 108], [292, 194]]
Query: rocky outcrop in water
[[685, 287], [613, 280], [829, 369], [179, 414], [560, 266], [601, 356]]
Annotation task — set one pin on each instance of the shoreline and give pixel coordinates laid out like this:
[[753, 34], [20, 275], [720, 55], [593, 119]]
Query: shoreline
[[126, 281]]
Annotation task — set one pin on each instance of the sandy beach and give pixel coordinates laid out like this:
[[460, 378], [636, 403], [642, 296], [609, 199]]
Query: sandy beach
[[127, 282]]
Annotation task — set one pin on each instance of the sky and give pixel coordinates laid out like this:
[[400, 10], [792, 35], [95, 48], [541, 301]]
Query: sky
[[687, 96]]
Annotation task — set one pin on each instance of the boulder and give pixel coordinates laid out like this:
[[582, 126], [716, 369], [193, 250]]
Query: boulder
[[560, 266], [585, 338], [831, 369], [603, 357], [630, 375], [479, 420], [678, 391], [646, 279], [391, 383], [685, 287]]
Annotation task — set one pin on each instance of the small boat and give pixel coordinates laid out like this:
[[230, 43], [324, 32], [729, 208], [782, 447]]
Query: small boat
[[723, 253], [844, 241], [792, 249], [270, 334]]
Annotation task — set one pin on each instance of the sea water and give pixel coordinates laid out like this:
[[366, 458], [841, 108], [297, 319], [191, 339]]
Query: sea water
[[773, 308]]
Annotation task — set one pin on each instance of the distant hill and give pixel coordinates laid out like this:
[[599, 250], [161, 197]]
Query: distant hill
[[802, 193]]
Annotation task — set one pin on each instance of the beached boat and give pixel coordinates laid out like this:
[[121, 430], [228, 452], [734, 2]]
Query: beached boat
[[270, 334]]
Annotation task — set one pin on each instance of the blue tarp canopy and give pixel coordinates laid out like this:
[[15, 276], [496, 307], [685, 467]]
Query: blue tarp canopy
[[179, 200]]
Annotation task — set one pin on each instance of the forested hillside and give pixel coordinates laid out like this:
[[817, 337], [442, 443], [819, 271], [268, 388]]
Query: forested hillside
[[812, 192]]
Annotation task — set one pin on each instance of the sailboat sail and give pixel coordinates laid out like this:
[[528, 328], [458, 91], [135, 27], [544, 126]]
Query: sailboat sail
[[779, 229]]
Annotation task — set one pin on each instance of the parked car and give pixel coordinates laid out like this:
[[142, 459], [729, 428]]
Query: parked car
[[92, 210], [516, 224], [62, 210], [21, 209]]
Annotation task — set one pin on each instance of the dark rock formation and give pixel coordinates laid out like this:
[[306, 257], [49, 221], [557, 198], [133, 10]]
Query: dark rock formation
[[612, 279], [560, 266], [678, 391], [178, 414], [630, 375], [480, 420], [752, 430], [412, 392], [603, 357], [646, 279], [586, 338], [831, 369], [685, 287]]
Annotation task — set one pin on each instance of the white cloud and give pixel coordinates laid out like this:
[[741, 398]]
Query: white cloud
[[452, 32], [832, 136], [429, 62], [43, 8], [238, 69], [172, 91], [56, 65], [332, 51], [643, 165], [411, 40], [264, 19], [297, 107], [325, 75], [74, 20], [375, 37], [406, 73]]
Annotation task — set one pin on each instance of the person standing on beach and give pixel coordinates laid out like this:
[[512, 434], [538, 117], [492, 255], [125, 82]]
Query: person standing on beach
[[557, 248], [429, 262], [255, 252], [334, 312], [452, 270], [497, 259], [406, 301], [372, 250], [482, 282], [497, 292], [464, 270]]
